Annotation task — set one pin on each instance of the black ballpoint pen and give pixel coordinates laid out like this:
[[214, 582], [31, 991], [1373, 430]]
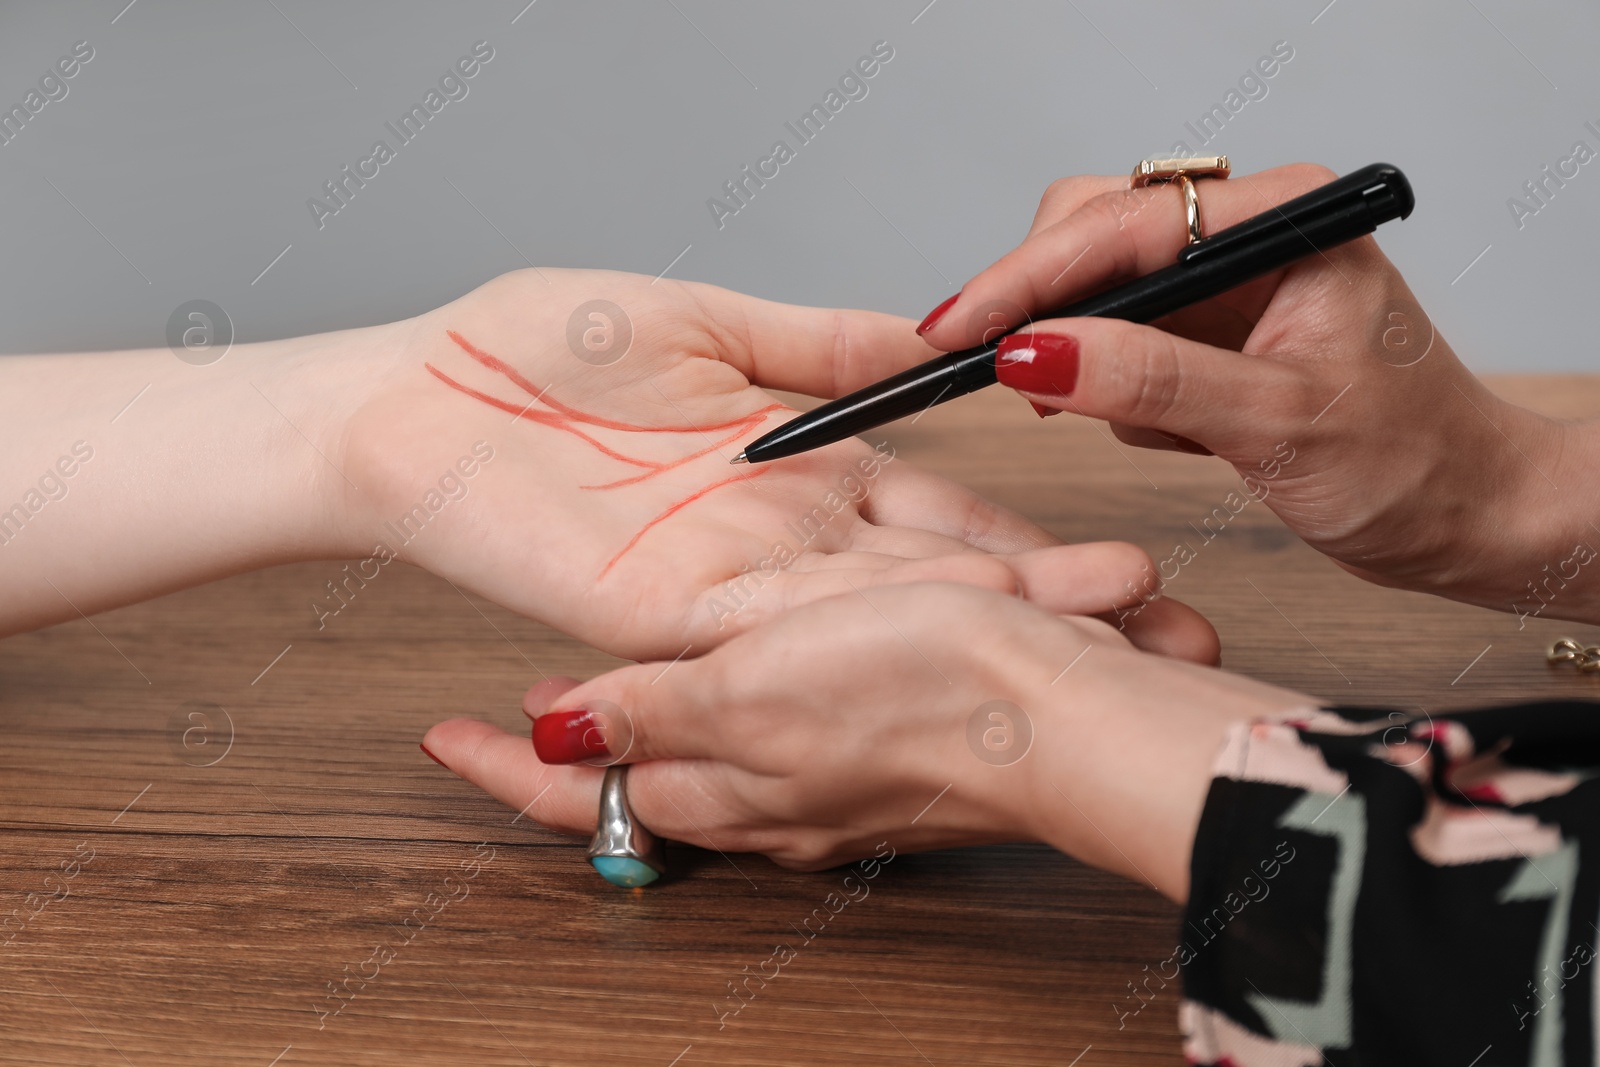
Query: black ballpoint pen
[[1340, 211]]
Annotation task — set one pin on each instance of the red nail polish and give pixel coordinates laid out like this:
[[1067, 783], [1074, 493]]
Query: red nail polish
[[1038, 363], [431, 756], [1044, 412], [568, 737], [936, 314]]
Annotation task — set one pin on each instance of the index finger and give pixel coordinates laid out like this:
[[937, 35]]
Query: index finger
[[567, 799], [505, 766], [1113, 236]]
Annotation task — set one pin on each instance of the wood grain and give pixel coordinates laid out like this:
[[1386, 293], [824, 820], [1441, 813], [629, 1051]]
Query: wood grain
[[222, 900]]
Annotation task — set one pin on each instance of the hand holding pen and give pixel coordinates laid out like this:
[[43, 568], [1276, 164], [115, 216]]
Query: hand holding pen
[[1324, 384]]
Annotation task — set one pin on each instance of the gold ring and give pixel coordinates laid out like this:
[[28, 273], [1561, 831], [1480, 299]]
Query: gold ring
[[1182, 172]]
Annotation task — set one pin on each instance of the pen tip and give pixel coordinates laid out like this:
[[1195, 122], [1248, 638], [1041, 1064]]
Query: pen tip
[[740, 458]]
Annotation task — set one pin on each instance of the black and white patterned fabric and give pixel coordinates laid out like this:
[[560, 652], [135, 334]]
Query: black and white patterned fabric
[[1373, 887]]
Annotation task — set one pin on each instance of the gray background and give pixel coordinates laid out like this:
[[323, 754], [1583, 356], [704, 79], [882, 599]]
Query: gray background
[[179, 164]]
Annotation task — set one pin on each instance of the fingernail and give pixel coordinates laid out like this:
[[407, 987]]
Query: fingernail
[[431, 756], [1194, 448], [568, 737], [936, 314], [1038, 362], [1044, 412]]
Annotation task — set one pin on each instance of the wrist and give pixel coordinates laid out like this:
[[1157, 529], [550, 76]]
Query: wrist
[[1122, 765], [1091, 798], [312, 391], [1552, 565], [1496, 511]]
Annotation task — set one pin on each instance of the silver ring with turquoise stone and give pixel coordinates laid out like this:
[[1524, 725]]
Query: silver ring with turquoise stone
[[623, 851]]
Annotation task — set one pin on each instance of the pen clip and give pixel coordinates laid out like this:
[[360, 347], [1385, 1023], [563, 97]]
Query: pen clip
[[1339, 211], [1244, 234]]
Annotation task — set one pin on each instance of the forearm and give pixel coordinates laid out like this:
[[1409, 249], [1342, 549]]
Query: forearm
[[125, 475]]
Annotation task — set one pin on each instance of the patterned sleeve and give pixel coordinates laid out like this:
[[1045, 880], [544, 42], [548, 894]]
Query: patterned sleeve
[[1373, 887]]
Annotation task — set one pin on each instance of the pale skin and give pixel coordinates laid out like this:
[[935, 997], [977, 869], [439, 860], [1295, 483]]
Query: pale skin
[[306, 448], [818, 735]]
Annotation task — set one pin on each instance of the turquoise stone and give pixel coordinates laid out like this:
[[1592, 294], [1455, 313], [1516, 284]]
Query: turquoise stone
[[620, 870]]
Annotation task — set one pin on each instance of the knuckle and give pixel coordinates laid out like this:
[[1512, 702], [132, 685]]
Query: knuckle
[[1302, 393], [979, 520], [995, 574], [741, 727], [1065, 195], [1129, 558], [1110, 213], [1062, 191], [1094, 631], [975, 571], [1304, 177], [840, 363], [1112, 206], [809, 852], [1148, 367]]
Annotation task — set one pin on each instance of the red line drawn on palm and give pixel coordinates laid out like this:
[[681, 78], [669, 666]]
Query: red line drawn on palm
[[567, 419]]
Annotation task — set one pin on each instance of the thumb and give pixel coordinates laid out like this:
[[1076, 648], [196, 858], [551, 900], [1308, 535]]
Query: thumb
[[643, 712], [823, 352], [1141, 376]]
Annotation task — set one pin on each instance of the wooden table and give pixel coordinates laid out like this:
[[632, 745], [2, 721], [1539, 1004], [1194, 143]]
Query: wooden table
[[261, 822]]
